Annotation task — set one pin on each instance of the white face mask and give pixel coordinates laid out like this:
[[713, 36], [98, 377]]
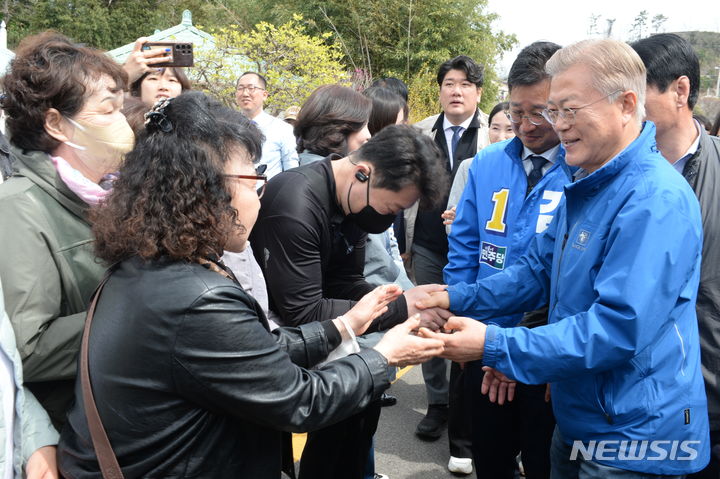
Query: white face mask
[[101, 148]]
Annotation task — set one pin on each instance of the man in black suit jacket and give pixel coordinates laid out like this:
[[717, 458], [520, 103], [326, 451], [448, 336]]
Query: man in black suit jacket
[[460, 131]]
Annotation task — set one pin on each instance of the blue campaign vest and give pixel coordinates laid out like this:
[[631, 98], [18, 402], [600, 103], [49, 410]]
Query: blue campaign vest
[[495, 221]]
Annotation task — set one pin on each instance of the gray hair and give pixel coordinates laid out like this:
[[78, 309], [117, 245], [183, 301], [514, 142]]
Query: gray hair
[[615, 66]]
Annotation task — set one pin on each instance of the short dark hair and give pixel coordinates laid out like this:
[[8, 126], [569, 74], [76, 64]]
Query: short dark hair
[[171, 198], [716, 125], [262, 79], [704, 121], [330, 114], [529, 66], [500, 107], [473, 71], [50, 71], [385, 107], [179, 72], [667, 57], [395, 85], [402, 155]]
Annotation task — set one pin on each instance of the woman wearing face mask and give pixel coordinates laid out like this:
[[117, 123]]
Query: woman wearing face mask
[[333, 120], [67, 133], [187, 379]]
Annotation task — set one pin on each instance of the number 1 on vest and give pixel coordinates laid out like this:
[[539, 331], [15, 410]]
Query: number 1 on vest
[[497, 221]]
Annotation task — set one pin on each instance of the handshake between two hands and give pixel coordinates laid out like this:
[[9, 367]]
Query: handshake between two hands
[[430, 331]]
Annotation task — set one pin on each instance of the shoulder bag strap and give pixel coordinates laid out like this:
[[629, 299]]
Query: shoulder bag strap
[[103, 450]]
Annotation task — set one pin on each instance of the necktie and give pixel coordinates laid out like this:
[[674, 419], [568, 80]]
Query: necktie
[[457, 132], [536, 173]]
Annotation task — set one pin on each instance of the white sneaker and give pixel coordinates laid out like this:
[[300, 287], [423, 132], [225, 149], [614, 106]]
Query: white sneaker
[[460, 465], [380, 476]]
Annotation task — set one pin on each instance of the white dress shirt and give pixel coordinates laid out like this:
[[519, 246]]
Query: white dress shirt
[[279, 151], [680, 163], [550, 155], [447, 128]]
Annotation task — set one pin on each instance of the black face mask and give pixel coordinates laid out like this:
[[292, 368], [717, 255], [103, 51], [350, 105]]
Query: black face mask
[[367, 218]]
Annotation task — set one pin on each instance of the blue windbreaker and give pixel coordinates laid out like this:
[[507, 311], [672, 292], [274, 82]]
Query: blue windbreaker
[[620, 264], [494, 221]]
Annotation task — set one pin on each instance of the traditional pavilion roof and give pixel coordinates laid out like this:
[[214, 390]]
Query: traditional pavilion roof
[[184, 32]]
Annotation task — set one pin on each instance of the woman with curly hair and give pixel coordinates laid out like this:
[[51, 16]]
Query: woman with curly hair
[[67, 133], [187, 379]]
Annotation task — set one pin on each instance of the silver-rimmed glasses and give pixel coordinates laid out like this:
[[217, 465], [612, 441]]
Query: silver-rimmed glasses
[[568, 114], [536, 118]]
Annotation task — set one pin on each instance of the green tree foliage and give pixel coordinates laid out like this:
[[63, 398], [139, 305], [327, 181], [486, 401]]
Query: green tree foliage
[[293, 62], [404, 37], [408, 39], [108, 24]]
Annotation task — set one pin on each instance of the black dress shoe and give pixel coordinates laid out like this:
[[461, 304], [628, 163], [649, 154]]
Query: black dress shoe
[[387, 400], [432, 425]]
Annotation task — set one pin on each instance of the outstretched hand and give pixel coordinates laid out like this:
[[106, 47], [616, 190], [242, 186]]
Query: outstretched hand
[[464, 339], [402, 348], [370, 306], [431, 316]]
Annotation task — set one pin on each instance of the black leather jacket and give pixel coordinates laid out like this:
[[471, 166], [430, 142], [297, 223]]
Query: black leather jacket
[[189, 382]]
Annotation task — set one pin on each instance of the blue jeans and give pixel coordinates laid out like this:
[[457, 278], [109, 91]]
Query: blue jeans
[[563, 468]]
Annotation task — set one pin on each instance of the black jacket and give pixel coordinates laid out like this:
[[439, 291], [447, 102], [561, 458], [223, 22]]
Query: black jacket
[[702, 171], [189, 383], [429, 227], [311, 255]]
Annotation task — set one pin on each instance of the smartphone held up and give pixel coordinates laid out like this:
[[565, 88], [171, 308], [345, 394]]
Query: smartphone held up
[[180, 54]]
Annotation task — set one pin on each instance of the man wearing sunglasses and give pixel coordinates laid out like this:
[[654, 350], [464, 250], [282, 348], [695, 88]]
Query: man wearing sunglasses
[[619, 265]]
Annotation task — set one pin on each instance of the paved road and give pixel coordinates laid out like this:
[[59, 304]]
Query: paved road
[[398, 452]]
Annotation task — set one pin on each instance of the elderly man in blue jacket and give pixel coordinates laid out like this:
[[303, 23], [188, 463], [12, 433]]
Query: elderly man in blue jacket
[[619, 266]]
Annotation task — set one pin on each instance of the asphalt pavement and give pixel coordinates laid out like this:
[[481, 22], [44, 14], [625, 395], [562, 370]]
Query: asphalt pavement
[[398, 452]]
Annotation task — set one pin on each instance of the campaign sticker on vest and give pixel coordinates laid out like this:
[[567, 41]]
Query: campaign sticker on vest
[[581, 240], [492, 255]]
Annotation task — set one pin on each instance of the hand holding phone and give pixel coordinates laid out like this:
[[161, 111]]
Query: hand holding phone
[[140, 62], [181, 54]]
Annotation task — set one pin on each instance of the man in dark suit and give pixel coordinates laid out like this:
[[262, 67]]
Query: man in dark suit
[[460, 131]]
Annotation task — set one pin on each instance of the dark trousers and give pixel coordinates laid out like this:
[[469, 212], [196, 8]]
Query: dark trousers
[[459, 428], [524, 425], [428, 266], [712, 471], [340, 450]]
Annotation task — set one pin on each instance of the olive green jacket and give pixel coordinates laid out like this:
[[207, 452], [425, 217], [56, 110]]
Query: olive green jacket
[[49, 272]]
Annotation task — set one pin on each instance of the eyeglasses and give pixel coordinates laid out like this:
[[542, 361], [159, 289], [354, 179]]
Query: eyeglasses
[[568, 114], [259, 177], [250, 88], [516, 117]]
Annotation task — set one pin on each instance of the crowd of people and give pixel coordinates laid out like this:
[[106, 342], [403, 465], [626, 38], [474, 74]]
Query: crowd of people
[[183, 284]]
